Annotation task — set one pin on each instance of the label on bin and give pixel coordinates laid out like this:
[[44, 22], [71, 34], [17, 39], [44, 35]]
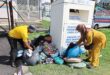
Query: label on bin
[[70, 34]]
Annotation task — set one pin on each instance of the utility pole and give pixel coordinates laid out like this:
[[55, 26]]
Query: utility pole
[[40, 9], [28, 9], [52, 1], [11, 14], [8, 14]]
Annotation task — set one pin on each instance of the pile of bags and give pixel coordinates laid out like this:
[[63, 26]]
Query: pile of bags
[[46, 53]]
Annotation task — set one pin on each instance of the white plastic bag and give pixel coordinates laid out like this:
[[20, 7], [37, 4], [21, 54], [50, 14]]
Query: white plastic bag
[[29, 52]]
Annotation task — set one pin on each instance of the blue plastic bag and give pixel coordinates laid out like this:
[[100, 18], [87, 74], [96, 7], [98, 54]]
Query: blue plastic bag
[[74, 52], [58, 60]]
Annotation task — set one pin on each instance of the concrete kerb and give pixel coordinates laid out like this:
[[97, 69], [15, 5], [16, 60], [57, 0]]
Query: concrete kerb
[[25, 71]]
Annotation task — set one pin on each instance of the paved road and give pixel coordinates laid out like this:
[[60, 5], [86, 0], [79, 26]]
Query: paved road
[[5, 69]]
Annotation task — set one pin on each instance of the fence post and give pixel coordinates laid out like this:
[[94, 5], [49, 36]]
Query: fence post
[[11, 14], [7, 6]]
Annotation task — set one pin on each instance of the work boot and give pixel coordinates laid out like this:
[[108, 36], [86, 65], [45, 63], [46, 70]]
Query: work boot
[[86, 60], [89, 66], [12, 64]]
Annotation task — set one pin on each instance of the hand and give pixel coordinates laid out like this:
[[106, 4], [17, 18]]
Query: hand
[[81, 44], [29, 53], [85, 42], [29, 41], [28, 46], [31, 48]]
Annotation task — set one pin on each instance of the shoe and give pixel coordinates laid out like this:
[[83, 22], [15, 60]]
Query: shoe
[[86, 60], [89, 66], [13, 64]]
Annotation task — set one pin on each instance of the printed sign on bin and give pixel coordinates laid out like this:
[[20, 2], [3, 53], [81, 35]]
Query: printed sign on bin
[[70, 34]]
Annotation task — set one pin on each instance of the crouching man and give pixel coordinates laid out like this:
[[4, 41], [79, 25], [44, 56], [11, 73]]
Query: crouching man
[[19, 34]]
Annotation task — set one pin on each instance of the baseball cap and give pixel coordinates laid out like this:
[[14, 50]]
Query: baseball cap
[[32, 28]]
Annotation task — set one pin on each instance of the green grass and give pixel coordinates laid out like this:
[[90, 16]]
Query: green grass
[[36, 34], [54, 69], [45, 24]]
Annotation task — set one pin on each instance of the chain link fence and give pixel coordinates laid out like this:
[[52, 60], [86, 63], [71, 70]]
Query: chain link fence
[[25, 11], [29, 9]]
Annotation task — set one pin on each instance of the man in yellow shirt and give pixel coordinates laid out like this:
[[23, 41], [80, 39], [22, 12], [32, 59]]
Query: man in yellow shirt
[[19, 34]]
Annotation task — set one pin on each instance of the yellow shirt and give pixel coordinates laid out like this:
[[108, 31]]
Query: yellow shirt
[[96, 37], [20, 32], [99, 38]]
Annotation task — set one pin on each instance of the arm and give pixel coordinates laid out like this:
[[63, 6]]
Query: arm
[[79, 42], [89, 39], [27, 45], [25, 40], [29, 41]]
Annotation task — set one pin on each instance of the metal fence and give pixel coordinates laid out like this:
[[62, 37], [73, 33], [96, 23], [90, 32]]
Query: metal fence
[[29, 9]]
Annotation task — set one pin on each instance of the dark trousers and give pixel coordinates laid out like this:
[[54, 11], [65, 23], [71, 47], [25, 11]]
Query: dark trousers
[[14, 47]]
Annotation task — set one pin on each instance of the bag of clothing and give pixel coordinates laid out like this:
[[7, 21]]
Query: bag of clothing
[[49, 61], [27, 53], [77, 65], [74, 52], [33, 59], [19, 53], [43, 57], [58, 60]]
